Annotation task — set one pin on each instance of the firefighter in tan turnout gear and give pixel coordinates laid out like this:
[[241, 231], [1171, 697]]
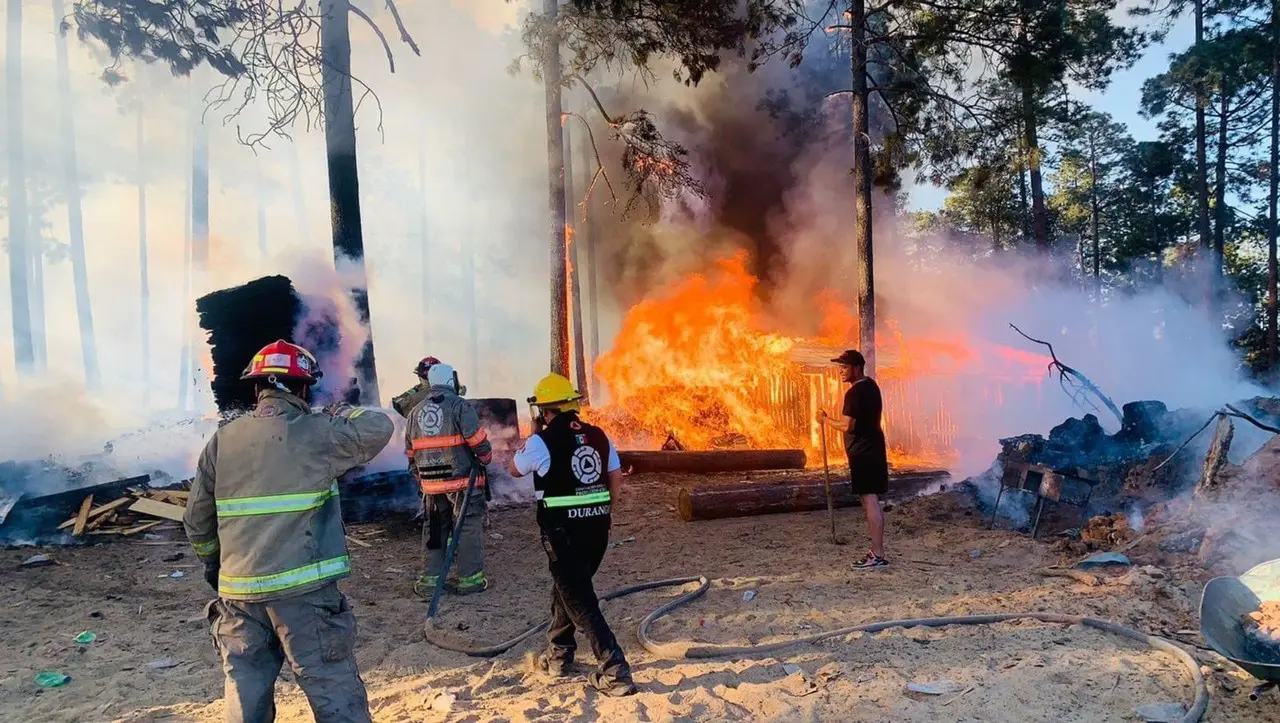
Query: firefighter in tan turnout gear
[[444, 441], [264, 518]]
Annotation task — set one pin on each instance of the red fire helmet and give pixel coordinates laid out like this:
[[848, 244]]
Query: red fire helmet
[[425, 365], [284, 360]]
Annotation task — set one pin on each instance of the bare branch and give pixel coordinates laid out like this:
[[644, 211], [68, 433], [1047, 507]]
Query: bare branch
[[377, 31], [404, 32], [598, 173], [1068, 376]]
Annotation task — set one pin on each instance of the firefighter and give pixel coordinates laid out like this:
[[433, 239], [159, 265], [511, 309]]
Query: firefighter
[[264, 518], [576, 478], [444, 442], [411, 397]]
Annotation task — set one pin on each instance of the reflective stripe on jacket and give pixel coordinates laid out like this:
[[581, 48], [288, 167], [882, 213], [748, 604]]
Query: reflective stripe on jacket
[[264, 501], [444, 439]]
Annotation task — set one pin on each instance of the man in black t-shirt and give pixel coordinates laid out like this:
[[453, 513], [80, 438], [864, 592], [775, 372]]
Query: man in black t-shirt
[[864, 443]]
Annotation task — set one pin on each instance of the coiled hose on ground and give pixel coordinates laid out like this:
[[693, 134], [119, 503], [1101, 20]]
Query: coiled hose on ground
[[689, 650]]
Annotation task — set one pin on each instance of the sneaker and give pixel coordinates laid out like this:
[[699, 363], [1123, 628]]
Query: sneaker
[[610, 686], [871, 560], [553, 665], [469, 585], [425, 586]]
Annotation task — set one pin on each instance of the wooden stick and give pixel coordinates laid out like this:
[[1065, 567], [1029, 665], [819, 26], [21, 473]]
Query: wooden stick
[[83, 517], [355, 541]]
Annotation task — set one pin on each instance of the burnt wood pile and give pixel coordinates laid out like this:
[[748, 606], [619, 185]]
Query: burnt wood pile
[[240, 321]]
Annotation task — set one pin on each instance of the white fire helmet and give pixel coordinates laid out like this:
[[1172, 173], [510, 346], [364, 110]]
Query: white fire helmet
[[443, 375]]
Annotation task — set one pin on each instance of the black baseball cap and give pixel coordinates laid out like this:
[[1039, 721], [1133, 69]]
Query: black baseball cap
[[851, 358]]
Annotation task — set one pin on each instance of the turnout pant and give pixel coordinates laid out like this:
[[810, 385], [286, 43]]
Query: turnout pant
[[441, 515], [315, 632], [575, 551]]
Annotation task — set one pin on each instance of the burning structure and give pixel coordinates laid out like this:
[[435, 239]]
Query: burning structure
[[700, 363]]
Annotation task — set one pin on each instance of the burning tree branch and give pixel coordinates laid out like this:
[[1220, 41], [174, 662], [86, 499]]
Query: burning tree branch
[[1075, 384], [656, 167]]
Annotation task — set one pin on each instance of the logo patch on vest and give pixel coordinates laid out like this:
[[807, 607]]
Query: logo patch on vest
[[430, 419], [586, 464]]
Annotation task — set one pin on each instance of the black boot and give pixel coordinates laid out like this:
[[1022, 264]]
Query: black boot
[[612, 685]]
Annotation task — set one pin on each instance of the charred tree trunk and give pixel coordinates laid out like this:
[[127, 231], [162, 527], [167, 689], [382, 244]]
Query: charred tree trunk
[[556, 196], [1273, 223], [144, 282], [344, 180], [469, 292], [1220, 197], [572, 258], [862, 186], [587, 242], [1216, 458], [75, 217], [19, 280]]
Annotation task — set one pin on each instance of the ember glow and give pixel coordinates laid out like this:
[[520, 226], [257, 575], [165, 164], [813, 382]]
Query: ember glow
[[702, 360]]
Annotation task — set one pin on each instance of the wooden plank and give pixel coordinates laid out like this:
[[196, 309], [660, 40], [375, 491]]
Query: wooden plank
[[101, 520], [141, 528], [96, 511], [711, 461], [83, 518], [150, 507], [764, 497]]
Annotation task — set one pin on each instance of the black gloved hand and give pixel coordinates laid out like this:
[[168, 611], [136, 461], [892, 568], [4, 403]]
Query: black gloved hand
[[211, 574]]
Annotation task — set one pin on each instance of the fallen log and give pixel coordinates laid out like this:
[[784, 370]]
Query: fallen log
[[710, 462], [766, 497]]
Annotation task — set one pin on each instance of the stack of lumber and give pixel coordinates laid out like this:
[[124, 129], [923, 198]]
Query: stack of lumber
[[240, 321], [137, 511]]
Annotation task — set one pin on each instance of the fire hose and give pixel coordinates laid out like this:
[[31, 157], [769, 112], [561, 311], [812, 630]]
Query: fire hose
[[690, 650]]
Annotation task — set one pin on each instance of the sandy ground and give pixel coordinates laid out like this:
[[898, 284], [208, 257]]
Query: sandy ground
[[945, 563]]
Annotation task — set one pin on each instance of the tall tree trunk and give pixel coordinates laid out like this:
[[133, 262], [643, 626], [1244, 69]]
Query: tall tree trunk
[[572, 258], [1031, 138], [1220, 195], [1095, 213], [184, 360], [587, 243], [260, 192], [75, 218], [1273, 223], [473, 312], [862, 187], [424, 272], [344, 180], [199, 249], [556, 196], [1202, 144], [1024, 208], [299, 197], [19, 267], [35, 256], [144, 282]]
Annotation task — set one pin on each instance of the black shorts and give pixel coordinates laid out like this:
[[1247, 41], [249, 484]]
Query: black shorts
[[868, 477]]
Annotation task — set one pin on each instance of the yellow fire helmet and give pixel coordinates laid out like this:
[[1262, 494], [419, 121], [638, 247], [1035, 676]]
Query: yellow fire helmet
[[556, 392]]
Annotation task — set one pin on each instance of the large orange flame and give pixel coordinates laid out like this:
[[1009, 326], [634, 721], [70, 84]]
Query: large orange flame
[[699, 361]]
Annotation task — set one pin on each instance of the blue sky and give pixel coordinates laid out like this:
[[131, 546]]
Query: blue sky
[[1120, 100]]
